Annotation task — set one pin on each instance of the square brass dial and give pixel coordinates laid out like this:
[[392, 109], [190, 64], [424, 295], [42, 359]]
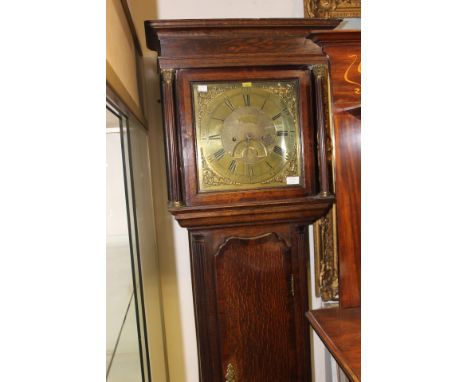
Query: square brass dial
[[247, 135]]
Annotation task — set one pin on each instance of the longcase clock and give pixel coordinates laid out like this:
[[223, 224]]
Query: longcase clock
[[245, 119]]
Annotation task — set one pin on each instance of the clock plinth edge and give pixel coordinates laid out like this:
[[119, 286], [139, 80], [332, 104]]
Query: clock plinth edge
[[303, 210]]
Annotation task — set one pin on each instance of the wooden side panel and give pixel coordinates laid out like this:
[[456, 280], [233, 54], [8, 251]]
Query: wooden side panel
[[343, 49], [345, 65], [344, 53], [256, 309], [348, 202]]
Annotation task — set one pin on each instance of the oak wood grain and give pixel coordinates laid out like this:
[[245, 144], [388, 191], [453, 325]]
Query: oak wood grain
[[299, 210], [236, 61], [254, 279], [242, 280], [157, 31]]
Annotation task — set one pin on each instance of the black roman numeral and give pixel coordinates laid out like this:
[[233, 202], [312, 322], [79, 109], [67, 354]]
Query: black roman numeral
[[246, 99], [229, 104], [274, 118], [216, 136], [218, 154], [278, 150], [279, 114], [250, 170], [282, 133], [232, 166]]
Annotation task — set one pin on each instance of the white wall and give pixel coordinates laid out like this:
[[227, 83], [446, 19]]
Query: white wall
[[207, 9]]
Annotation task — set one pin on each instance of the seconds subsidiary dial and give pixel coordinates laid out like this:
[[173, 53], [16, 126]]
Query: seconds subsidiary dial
[[247, 135]]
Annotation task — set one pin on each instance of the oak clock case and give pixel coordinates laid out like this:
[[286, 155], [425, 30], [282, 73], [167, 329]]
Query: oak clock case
[[249, 277], [248, 137], [245, 148]]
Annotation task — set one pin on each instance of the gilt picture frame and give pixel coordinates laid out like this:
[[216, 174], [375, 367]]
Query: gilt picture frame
[[332, 8]]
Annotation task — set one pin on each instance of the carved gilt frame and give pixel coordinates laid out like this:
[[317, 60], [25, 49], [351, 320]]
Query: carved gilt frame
[[326, 257], [332, 8], [325, 236]]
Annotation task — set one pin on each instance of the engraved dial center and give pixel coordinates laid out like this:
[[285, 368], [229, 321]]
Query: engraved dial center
[[248, 134]]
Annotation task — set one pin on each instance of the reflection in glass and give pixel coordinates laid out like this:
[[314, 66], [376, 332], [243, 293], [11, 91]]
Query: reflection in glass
[[125, 315]]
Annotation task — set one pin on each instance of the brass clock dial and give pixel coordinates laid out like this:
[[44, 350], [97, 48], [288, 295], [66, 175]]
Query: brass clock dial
[[247, 135]]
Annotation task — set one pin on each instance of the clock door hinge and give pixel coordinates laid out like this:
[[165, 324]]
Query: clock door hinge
[[292, 284]]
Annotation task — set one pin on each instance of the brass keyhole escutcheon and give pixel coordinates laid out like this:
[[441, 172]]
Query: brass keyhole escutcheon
[[230, 373]]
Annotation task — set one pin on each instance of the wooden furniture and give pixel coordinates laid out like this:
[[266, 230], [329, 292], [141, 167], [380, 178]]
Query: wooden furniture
[[344, 51], [248, 242], [340, 328], [340, 331]]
